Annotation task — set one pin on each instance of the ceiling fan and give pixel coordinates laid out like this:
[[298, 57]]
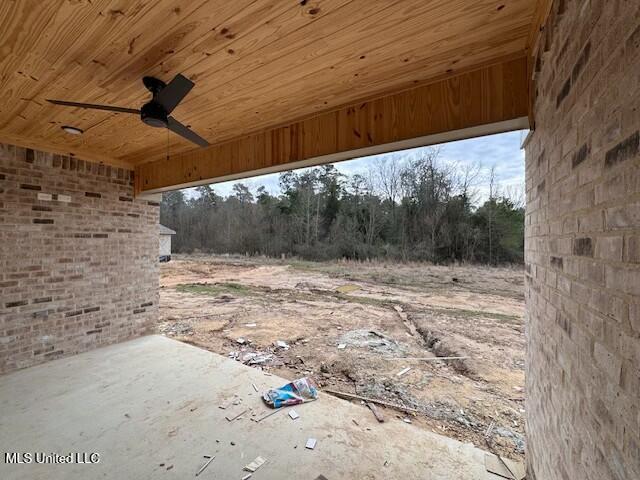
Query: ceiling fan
[[155, 113]]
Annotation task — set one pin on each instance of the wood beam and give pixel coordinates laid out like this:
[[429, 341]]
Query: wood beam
[[540, 16], [47, 146], [491, 95]]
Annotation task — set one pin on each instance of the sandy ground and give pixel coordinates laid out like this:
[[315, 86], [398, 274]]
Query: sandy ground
[[386, 317]]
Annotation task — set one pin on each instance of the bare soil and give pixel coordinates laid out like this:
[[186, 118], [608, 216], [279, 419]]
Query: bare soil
[[385, 316]]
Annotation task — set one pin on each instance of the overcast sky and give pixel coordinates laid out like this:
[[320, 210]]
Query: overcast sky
[[502, 150]]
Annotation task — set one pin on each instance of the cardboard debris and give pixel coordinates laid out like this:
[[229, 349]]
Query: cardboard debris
[[255, 465], [311, 443], [293, 414]]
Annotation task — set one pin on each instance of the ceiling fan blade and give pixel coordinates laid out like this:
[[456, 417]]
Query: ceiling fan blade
[[171, 95], [176, 127], [94, 107]]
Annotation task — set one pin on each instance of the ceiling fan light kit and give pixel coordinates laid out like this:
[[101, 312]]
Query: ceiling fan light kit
[[72, 130], [156, 112]]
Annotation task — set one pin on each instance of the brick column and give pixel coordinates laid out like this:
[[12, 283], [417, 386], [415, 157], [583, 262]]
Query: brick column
[[583, 245]]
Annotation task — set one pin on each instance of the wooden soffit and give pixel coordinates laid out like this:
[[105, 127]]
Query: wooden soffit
[[495, 95], [257, 64]]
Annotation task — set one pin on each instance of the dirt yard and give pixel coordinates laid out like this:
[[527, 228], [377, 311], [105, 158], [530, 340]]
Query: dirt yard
[[354, 327]]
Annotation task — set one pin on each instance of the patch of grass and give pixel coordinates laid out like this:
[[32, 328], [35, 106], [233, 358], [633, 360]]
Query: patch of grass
[[375, 302], [462, 313], [215, 289], [332, 296], [371, 274], [416, 277]]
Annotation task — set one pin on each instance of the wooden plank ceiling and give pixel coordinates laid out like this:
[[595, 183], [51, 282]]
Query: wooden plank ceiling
[[257, 64]]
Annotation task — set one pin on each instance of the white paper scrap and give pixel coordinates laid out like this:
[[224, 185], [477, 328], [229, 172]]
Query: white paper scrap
[[255, 465]]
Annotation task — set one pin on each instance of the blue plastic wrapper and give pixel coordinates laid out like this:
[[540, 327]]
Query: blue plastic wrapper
[[293, 393]]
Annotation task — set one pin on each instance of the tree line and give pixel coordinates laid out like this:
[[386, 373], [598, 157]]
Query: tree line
[[405, 209]]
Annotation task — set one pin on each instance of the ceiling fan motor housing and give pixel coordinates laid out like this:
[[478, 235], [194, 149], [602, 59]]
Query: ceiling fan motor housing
[[154, 115]]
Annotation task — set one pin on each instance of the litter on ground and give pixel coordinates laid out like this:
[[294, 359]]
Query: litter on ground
[[376, 412], [266, 415], [256, 358], [232, 417], [206, 464], [293, 393], [229, 402], [255, 465]]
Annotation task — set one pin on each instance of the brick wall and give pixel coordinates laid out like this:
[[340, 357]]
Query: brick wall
[[583, 245], [78, 257]]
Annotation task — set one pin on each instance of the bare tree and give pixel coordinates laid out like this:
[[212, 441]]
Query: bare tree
[[466, 178], [516, 195], [387, 176], [492, 199]]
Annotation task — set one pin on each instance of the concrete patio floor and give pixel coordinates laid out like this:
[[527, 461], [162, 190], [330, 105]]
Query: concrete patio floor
[[150, 408]]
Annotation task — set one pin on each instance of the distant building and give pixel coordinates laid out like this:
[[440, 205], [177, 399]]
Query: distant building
[[165, 243]]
